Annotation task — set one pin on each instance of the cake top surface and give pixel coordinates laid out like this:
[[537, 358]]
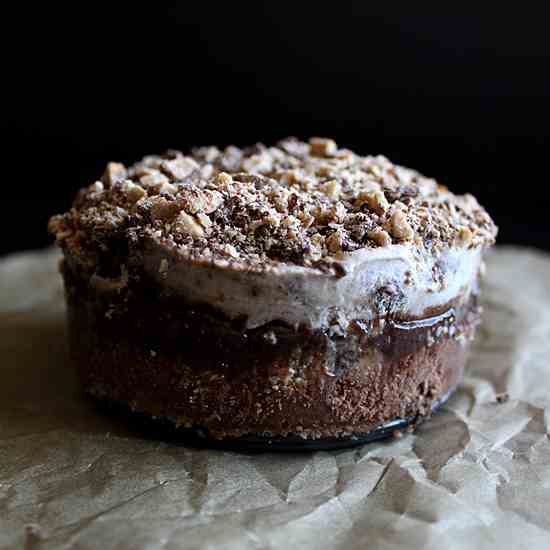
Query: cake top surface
[[307, 204]]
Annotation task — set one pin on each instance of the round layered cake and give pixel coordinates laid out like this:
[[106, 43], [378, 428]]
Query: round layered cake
[[287, 296]]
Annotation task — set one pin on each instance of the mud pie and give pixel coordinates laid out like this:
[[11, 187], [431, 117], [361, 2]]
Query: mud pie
[[290, 295]]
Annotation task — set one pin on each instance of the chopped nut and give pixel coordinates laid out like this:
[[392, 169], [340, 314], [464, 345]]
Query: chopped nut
[[167, 189], [96, 187], [315, 250], [255, 224], [230, 250], [258, 164], [280, 200], [322, 147], [289, 221], [300, 180], [201, 200], [376, 201], [114, 172], [324, 170], [204, 220], [273, 218], [224, 180], [313, 254], [307, 220], [211, 153], [400, 227], [334, 242], [318, 240], [375, 170], [464, 236], [141, 169], [212, 201], [134, 192], [153, 181], [337, 212], [344, 154], [187, 224], [207, 171], [180, 168], [371, 185], [163, 209], [292, 235], [379, 236], [332, 189]]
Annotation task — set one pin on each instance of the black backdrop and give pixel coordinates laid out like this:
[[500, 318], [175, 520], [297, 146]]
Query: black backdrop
[[461, 98]]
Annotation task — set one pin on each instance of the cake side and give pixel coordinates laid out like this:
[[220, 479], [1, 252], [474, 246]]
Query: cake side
[[200, 369]]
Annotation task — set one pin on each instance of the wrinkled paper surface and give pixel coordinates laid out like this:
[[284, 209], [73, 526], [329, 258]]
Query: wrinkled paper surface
[[476, 476]]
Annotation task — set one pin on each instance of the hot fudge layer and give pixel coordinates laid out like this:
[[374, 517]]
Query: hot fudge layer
[[296, 289]]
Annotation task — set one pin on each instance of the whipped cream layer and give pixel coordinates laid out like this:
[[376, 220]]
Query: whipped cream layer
[[398, 281]]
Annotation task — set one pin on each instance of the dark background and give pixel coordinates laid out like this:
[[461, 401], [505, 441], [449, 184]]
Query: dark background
[[462, 98]]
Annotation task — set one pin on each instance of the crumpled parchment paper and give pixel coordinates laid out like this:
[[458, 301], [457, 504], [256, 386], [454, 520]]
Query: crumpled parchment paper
[[477, 476]]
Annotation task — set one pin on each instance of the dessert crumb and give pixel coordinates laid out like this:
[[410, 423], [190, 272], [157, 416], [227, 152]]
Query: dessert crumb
[[503, 397]]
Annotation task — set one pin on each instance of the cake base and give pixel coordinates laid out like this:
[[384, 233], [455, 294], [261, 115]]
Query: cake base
[[163, 429]]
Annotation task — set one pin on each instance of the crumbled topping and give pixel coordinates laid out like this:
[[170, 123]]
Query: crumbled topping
[[322, 147], [400, 228], [187, 224], [296, 202], [379, 236], [113, 172], [133, 191]]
